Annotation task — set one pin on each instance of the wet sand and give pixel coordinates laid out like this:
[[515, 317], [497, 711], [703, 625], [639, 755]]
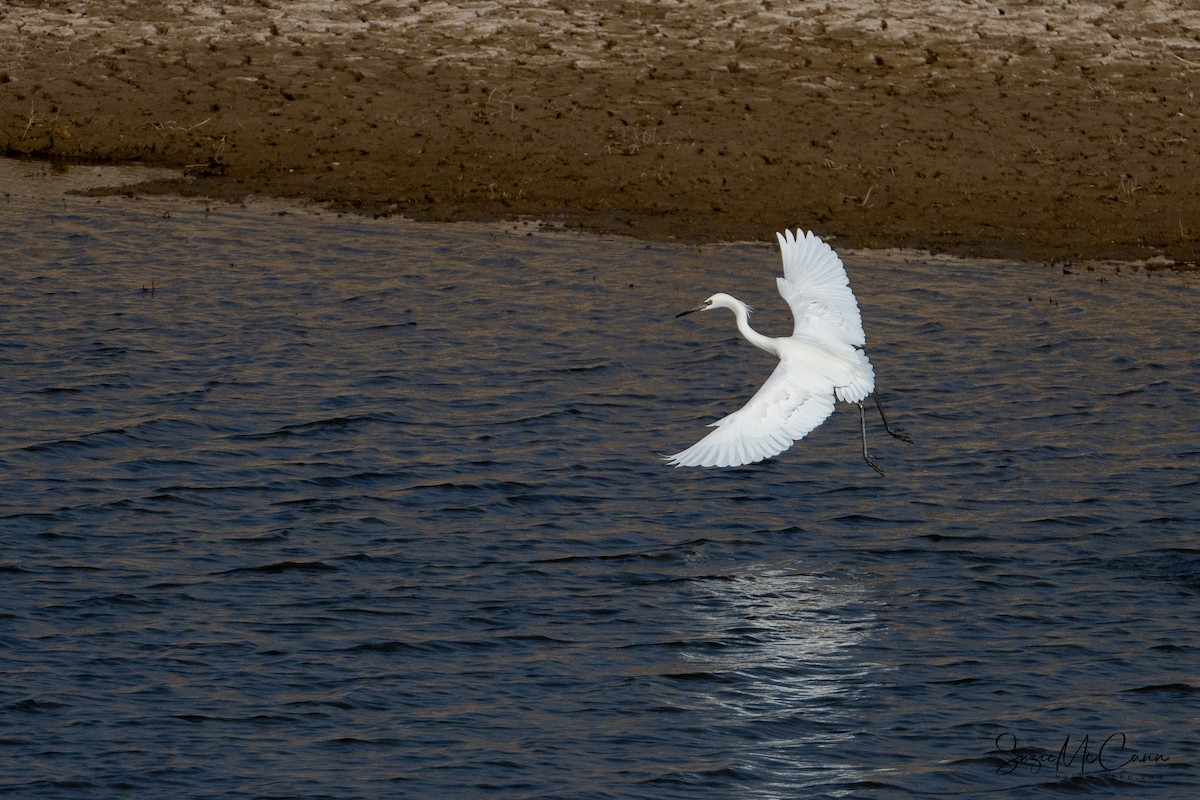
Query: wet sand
[[1038, 131]]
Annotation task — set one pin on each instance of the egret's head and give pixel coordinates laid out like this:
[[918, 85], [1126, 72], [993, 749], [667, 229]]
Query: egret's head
[[718, 300]]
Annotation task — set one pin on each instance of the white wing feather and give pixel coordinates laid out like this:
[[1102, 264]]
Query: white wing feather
[[783, 410], [816, 287]]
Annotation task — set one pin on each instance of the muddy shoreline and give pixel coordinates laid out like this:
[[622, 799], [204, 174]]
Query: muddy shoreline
[[1033, 132]]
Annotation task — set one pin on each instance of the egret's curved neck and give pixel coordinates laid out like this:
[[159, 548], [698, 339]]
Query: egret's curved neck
[[752, 336]]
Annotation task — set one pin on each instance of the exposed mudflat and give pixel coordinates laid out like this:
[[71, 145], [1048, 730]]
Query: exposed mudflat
[[1064, 129]]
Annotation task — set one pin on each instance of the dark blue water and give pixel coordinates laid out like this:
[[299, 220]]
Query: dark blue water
[[357, 509]]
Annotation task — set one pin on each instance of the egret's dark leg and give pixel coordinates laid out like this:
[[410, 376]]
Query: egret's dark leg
[[887, 427], [862, 418]]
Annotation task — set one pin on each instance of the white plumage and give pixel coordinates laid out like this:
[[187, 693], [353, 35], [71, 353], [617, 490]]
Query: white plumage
[[821, 361]]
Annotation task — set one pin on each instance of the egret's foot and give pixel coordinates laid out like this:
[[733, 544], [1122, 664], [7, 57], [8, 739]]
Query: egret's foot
[[887, 427], [874, 466]]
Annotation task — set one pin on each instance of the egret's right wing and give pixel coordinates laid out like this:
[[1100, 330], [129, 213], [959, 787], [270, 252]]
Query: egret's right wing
[[783, 410], [815, 286]]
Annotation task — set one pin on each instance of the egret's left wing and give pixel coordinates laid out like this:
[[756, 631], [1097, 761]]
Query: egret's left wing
[[783, 410], [815, 286]]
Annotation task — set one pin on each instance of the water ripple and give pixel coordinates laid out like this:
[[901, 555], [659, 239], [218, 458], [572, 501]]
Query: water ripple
[[344, 508]]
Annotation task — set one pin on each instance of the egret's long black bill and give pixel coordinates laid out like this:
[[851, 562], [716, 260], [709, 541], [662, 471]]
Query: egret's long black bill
[[700, 307]]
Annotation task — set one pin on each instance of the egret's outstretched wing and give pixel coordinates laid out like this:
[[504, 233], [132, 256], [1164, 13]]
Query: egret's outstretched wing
[[783, 410], [815, 285]]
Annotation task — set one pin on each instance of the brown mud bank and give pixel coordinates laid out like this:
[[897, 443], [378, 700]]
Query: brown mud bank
[[1038, 130]]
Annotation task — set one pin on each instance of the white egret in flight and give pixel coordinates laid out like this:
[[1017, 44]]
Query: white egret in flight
[[821, 361]]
